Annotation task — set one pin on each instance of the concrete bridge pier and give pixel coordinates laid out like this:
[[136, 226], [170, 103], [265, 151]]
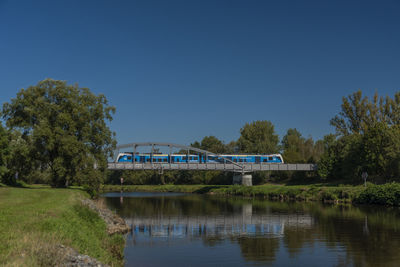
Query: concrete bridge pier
[[243, 179]]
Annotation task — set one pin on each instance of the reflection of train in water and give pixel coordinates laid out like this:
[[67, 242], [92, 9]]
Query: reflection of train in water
[[183, 158]]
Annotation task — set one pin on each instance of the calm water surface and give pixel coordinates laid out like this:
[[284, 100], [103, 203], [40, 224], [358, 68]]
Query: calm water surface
[[170, 229]]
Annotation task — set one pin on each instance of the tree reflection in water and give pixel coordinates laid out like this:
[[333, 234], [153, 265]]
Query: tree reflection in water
[[265, 232]]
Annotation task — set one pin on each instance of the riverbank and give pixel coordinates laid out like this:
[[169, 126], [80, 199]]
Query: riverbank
[[387, 194], [42, 226]]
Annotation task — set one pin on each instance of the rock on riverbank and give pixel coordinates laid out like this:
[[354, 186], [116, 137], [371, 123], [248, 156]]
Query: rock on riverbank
[[115, 224], [71, 258]]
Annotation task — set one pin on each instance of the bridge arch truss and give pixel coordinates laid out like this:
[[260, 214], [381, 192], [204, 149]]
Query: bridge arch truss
[[225, 165]]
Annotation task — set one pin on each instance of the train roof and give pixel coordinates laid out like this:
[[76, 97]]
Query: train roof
[[222, 155]]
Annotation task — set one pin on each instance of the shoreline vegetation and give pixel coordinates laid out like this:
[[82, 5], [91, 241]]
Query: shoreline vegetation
[[386, 194], [43, 226]]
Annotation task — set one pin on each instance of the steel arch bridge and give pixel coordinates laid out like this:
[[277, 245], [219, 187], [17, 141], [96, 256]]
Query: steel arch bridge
[[225, 164]]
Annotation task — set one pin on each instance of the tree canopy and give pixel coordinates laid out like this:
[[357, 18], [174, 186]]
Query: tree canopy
[[258, 137], [367, 139], [212, 144], [359, 113], [297, 149], [64, 128]]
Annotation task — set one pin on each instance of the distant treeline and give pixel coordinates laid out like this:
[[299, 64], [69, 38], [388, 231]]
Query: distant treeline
[[258, 137], [56, 133], [367, 139]]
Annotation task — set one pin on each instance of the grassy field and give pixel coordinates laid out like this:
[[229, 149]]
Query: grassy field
[[270, 191], [35, 221]]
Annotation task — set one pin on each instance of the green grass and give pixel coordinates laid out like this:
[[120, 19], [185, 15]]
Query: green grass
[[33, 221], [270, 191]]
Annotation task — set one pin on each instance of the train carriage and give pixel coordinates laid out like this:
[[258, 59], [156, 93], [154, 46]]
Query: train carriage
[[183, 158]]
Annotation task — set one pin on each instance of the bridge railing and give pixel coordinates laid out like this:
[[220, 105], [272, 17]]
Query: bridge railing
[[248, 167]]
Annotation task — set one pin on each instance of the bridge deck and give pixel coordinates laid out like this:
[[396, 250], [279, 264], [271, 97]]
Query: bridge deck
[[248, 167]]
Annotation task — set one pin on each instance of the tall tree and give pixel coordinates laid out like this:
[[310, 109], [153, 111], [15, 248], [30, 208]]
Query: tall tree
[[297, 149], [212, 144], [360, 113], [380, 151], [293, 147], [65, 129], [258, 137], [4, 153]]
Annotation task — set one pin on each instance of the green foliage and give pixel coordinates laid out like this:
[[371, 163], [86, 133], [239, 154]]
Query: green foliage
[[4, 154], [377, 151], [212, 144], [63, 130], [387, 194], [341, 158], [380, 151], [258, 137], [369, 140], [297, 149], [358, 113]]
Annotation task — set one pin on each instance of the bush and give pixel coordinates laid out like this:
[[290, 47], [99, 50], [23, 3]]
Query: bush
[[386, 194]]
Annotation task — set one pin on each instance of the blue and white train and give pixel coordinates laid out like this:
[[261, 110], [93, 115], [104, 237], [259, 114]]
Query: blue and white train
[[183, 158]]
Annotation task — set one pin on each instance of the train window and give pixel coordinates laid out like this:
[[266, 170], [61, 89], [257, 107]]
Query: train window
[[164, 160], [270, 158], [240, 160], [234, 160], [129, 158], [265, 160], [184, 158]]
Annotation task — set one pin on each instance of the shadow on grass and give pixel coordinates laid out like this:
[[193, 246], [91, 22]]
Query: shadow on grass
[[17, 184], [207, 189], [320, 182]]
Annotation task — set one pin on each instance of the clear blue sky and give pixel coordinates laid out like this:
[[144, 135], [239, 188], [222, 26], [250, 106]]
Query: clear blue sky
[[180, 70]]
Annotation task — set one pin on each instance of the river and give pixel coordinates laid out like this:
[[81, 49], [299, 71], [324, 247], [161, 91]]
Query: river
[[172, 229]]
